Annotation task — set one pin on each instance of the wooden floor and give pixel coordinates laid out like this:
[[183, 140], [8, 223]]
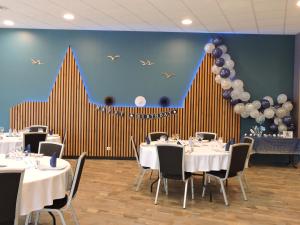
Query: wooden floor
[[107, 197]]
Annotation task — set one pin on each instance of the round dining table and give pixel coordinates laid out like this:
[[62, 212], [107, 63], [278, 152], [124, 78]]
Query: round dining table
[[42, 183], [200, 156], [9, 143]]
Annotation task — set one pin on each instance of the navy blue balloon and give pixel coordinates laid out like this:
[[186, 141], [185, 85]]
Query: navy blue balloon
[[225, 73], [291, 127], [226, 93], [264, 103], [217, 41], [220, 62], [217, 52], [277, 106], [273, 127], [287, 120], [234, 101]]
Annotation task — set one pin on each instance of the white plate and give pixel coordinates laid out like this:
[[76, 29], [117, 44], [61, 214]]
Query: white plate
[[48, 167]]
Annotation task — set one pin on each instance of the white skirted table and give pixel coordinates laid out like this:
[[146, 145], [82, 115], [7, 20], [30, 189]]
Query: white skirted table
[[205, 157], [9, 144], [42, 184]]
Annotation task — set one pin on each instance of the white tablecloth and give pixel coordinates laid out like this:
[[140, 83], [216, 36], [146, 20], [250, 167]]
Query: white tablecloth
[[205, 157], [40, 187], [8, 144]]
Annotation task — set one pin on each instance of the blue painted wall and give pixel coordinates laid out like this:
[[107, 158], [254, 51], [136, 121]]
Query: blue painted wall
[[264, 62]]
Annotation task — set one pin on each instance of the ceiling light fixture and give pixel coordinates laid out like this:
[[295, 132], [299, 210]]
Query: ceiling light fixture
[[298, 3], [8, 23], [186, 22], [69, 16]]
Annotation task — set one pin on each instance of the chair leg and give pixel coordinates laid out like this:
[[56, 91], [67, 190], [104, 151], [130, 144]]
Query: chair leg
[[224, 193], [166, 186], [63, 222], [140, 180], [27, 219], [192, 188], [242, 187], [157, 191], [138, 176], [37, 217], [245, 181], [185, 192], [74, 214], [204, 186]]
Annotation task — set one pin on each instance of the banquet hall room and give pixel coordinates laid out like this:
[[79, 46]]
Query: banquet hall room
[[149, 112]]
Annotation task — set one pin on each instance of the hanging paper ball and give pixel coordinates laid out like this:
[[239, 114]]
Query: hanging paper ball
[[287, 120], [209, 47], [217, 52], [140, 101], [164, 101], [109, 100], [219, 62], [282, 98], [265, 103], [227, 93], [217, 41], [225, 73]]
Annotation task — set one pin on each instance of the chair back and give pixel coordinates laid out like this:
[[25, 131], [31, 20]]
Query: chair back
[[10, 192], [171, 161], [77, 176], [250, 141], [36, 128], [49, 148], [154, 136], [238, 155], [33, 139], [136, 154], [207, 135]]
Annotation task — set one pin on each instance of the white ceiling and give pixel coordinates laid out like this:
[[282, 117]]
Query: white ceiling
[[235, 16]]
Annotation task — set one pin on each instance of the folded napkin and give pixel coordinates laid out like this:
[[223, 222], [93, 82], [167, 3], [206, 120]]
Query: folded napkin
[[147, 140], [230, 142], [53, 160]]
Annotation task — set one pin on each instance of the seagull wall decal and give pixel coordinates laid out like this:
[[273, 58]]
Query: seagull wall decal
[[146, 62], [113, 57], [168, 74], [36, 61]]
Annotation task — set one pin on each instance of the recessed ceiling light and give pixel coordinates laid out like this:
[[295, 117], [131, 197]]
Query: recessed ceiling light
[[8, 23], [298, 3], [186, 22], [69, 16]]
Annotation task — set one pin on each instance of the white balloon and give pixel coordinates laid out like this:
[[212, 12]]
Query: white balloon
[[232, 73], [209, 47], [229, 64], [256, 104], [235, 94], [277, 121], [254, 114], [245, 96], [288, 106], [282, 127], [245, 114], [282, 98], [269, 113], [223, 48], [281, 112], [239, 108], [260, 119], [270, 99], [249, 107], [225, 56], [237, 84], [140, 101], [225, 83], [218, 79], [215, 69]]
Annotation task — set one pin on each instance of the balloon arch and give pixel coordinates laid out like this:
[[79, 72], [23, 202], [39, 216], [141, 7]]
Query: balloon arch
[[233, 91]]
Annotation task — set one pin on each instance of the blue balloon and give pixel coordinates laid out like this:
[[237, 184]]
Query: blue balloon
[[226, 94], [217, 52], [225, 73], [273, 127], [265, 103], [277, 106], [220, 62], [217, 41], [287, 120], [234, 101], [291, 127]]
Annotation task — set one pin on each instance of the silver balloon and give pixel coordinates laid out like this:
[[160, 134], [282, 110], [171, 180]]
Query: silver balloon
[[249, 107], [239, 108], [237, 84], [288, 106], [245, 96], [223, 48], [269, 113], [282, 127], [277, 120], [225, 56], [218, 79], [282, 98], [256, 104], [235, 94], [226, 84], [270, 99], [281, 112], [232, 73], [209, 47], [229, 64], [260, 119], [254, 114], [215, 69]]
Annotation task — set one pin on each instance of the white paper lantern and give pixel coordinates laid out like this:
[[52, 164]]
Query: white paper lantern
[[270, 99], [140, 101], [256, 104], [282, 98], [209, 47], [269, 113], [239, 108], [288, 106], [226, 84]]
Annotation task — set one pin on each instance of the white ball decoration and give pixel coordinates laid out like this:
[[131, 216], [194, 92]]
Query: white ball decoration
[[239, 108], [226, 56], [282, 98], [223, 48], [269, 113], [249, 107], [282, 127], [215, 69], [232, 73], [281, 112], [245, 96], [237, 84], [270, 99], [288, 106], [218, 79], [245, 114], [277, 120], [229, 64], [254, 114], [260, 119], [256, 104], [140, 101], [209, 47], [235, 94], [226, 84]]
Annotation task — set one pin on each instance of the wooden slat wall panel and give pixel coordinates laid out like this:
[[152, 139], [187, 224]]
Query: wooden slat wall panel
[[91, 130]]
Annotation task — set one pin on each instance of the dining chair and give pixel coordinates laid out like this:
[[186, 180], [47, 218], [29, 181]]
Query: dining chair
[[171, 166], [33, 139], [61, 205], [154, 136], [142, 169], [49, 148], [10, 195], [236, 165], [36, 128], [207, 135], [250, 141]]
